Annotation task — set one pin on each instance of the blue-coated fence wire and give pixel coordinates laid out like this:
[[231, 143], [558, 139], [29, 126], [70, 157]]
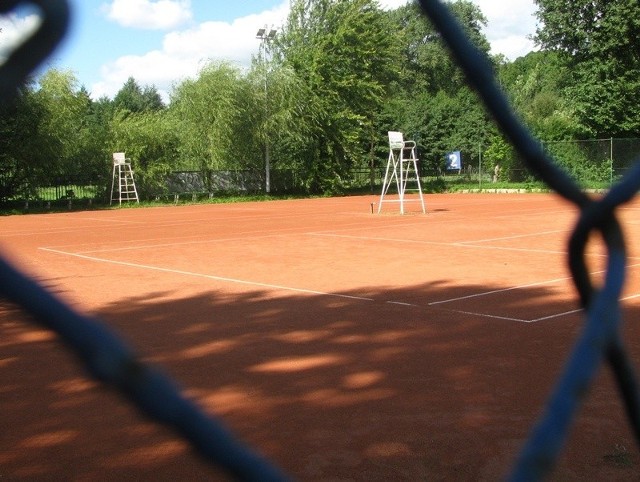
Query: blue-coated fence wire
[[104, 354], [110, 360], [600, 339]]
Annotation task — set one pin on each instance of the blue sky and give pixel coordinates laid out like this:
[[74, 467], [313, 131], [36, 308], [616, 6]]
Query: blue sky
[[160, 42]]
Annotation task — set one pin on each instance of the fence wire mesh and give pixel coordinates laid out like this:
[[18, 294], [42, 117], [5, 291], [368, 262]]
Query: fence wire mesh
[[111, 361], [107, 358], [600, 339]]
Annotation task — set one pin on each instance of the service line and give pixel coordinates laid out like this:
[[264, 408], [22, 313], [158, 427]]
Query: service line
[[206, 276]]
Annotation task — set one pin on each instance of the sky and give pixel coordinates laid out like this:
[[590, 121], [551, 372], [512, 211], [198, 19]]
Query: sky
[[161, 42]]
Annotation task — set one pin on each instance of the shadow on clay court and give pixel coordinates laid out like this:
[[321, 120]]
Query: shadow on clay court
[[327, 388]]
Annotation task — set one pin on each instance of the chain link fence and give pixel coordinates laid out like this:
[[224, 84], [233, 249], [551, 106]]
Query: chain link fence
[[594, 163], [600, 341]]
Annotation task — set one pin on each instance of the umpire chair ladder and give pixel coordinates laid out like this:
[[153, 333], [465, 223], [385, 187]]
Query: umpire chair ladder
[[402, 167], [123, 187]]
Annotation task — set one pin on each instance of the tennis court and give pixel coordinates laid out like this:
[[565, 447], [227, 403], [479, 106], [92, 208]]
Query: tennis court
[[343, 345]]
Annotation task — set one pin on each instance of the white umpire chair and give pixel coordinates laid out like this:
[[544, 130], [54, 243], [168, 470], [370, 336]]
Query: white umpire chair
[[123, 187], [402, 167]]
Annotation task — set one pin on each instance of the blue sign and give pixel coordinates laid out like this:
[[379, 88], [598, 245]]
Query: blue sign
[[454, 160]]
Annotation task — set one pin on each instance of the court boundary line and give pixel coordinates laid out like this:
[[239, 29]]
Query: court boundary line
[[335, 233], [501, 290], [205, 276], [460, 244], [432, 305]]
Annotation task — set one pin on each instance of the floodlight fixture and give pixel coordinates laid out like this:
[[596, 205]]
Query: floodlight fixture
[[272, 33], [261, 32]]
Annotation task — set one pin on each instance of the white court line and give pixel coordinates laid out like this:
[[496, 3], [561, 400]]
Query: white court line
[[487, 315], [108, 222], [206, 276], [458, 244], [300, 290], [518, 236], [241, 236], [486, 293], [413, 305], [103, 223], [377, 238], [543, 318], [169, 245], [508, 318], [539, 283], [557, 315]]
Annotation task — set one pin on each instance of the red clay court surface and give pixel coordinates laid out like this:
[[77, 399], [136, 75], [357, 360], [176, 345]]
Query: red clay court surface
[[341, 344]]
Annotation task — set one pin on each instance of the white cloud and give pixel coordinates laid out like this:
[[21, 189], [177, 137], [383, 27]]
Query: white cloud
[[154, 68], [149, 14], [509, 26], [513, 46], [184, 53], [15, 30]]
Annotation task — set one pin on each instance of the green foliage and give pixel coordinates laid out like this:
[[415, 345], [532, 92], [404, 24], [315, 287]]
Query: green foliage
[[423, 61], [321, 96], [21, 161], [149, 139], [587, 161], [431, 101], [499, 158], [64, 108], [599, 41], [536, 85], [273, 105], [341, 50], [133, 98], [208, 121], [47, 135]]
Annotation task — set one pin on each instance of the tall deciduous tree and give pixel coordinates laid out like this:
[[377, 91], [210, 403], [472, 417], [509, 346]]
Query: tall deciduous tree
[[600, 40], [206, 115], [341, 50], [536, 83], [134, 98], [68, 141], [21, 147], [272, 106], [431, 101], [424, 63], [151, 142]]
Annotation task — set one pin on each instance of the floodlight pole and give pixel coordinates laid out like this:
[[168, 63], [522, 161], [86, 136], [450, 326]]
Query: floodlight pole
[[265, 35]]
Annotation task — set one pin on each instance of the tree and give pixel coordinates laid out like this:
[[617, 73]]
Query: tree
[[431, 101], [133, 98], [151, 142], [206, 113], [272, 104], [424, 62], [341, 50], [600, 41], [535, 83], [67, 144], [21, 148]]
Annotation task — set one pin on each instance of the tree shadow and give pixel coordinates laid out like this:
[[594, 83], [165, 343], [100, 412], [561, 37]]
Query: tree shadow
[[328, 388]]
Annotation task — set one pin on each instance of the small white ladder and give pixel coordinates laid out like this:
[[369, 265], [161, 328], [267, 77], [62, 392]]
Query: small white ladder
[[402, 167], [123, 187]]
